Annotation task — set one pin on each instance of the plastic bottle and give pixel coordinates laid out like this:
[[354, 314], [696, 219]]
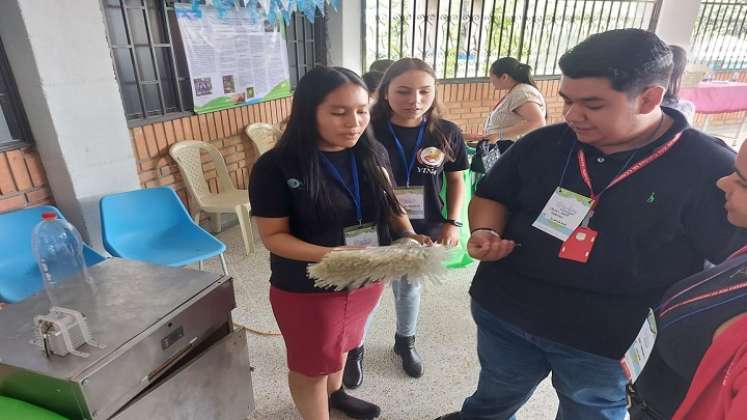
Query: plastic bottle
[[58, 249]]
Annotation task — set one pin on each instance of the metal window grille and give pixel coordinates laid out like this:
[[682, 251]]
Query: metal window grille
[[151, 66], [14, 126], [149, 62], [461, 38], [306, 45], [719, 38]]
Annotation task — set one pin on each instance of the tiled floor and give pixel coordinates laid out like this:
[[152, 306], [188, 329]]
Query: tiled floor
[[446, 341]]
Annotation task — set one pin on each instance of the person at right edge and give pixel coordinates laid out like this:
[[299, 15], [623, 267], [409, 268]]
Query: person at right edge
[[699, 360], [610, 209]]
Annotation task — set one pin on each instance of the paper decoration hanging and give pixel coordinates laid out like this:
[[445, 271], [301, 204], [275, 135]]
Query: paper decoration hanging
[[274, 11]]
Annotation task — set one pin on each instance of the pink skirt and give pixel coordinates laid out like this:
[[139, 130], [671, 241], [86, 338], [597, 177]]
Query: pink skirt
[[319, 327]]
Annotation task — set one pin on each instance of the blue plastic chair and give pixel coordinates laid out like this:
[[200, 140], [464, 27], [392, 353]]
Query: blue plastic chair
[[152, 225], [20, 276]]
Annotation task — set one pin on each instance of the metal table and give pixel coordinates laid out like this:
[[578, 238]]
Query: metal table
[[171, 350]]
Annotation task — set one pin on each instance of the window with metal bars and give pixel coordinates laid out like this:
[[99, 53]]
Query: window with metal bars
[[151, 66], [14, 126], [461, 38], [719, 37]]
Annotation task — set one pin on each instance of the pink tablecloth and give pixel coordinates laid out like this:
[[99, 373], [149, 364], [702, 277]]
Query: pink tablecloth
[[717, 97]]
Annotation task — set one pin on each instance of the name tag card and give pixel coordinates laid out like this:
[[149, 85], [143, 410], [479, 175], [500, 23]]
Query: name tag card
[[413, 200], [639, 352], [563, 213], [362, 235]]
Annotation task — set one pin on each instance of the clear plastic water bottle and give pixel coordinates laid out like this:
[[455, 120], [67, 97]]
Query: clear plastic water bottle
[[58, 249]]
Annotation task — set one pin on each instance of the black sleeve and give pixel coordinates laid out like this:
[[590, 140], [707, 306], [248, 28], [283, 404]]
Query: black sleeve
[[458, 146], [269, 193], [705, 219]]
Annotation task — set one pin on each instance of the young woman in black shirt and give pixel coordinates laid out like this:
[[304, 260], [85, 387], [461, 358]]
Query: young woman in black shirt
[[424, 149], [323, 187]]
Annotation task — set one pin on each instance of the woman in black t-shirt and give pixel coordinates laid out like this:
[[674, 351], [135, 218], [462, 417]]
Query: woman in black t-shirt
[[323, 187], [423, 150]]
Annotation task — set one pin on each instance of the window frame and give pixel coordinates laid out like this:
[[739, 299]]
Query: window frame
[[18, 125], [312, 45]]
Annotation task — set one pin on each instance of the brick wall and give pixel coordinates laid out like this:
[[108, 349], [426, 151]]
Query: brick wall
[[468, 104], [22, 180], [223, 129]]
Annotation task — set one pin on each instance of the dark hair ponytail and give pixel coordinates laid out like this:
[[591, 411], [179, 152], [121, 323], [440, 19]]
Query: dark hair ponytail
[[520, 72]]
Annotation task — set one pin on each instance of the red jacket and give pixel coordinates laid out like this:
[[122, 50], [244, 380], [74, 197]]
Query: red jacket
[[719, 388]]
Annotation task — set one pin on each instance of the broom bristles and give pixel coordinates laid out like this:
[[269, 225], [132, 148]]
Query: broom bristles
[[352, 269]]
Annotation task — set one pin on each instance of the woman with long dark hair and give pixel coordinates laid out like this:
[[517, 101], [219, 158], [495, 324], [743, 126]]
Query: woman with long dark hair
[[521, 109], [424, 149], [671, 97], [323, 187]]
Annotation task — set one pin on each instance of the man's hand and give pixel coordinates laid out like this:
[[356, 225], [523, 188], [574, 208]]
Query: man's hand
[[487, 245]]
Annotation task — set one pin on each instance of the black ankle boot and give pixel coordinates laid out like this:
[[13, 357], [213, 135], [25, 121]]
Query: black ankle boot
[[352, 376], [411, 362], [353, 407]]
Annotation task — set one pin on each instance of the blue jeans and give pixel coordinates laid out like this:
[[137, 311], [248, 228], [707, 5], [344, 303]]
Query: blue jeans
[[406, 307], [514, 362]]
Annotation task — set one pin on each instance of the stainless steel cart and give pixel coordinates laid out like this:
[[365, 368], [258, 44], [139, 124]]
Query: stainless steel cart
[[171, 351]]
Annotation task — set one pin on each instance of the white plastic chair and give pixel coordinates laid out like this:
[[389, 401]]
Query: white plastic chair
[[263, 135], [229, 199]]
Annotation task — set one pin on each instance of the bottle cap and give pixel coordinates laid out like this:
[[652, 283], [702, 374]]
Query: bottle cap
[[49, 215]]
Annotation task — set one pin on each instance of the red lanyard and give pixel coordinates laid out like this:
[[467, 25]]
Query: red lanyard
[[659, 152], [740, 251], [704, 296]]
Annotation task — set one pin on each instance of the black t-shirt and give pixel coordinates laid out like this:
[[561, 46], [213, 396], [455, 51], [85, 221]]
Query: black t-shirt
[[430, 164], [686, 332], [655, 228], [276, 190]]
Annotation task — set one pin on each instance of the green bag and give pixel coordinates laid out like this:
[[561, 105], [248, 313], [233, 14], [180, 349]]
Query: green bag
[[11, 409], [460, 256]]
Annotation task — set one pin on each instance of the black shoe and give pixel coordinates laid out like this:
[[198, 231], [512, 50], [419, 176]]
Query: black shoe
[[411, 362], [352, 376], [353, 407], [451, 416]]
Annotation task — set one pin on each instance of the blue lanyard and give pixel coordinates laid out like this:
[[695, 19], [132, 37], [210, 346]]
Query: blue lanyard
[[411, 163], [355, 194]]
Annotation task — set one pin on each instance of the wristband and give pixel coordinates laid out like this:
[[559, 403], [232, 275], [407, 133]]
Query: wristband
[[491, 230]]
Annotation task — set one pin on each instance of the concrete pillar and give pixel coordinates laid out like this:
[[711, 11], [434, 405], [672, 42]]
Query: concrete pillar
[[62, 64], [345, 35], [677, 21]]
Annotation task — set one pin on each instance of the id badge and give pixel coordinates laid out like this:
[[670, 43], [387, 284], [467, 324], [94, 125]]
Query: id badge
[[640, 351], [579, 245], [362, 235], [413, 200], [563, 213]]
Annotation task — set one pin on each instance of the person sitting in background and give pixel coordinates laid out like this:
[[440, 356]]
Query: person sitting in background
[[671, 97], [521, 110], [702, 323]]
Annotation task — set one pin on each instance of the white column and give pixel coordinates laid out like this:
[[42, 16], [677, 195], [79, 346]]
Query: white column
[[345, 35], [61, 60], [677, 21]]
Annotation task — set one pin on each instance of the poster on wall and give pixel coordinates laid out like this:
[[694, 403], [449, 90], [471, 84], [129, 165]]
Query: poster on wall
[[233, 58]]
